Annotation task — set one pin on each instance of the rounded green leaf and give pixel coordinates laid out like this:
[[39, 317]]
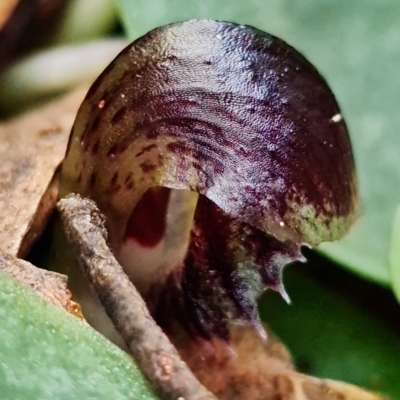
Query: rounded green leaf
[[45, 353]]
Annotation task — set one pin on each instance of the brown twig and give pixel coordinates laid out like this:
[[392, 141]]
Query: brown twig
[[154, 353]]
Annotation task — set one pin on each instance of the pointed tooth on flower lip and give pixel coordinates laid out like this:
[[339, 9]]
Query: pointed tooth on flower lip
[[227, 267], [241, 118]]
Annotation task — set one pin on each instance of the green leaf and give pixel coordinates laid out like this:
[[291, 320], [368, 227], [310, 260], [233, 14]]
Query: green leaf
[[338, 326], [74, 27], [395, 255], [46, 353], [355, 46]]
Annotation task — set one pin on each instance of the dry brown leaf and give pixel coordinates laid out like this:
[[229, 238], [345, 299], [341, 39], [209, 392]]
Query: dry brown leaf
[[48, 285], [258, 369], [31, 148]]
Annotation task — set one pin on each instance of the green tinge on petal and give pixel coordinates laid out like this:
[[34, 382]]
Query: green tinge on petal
[[315, 228]]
